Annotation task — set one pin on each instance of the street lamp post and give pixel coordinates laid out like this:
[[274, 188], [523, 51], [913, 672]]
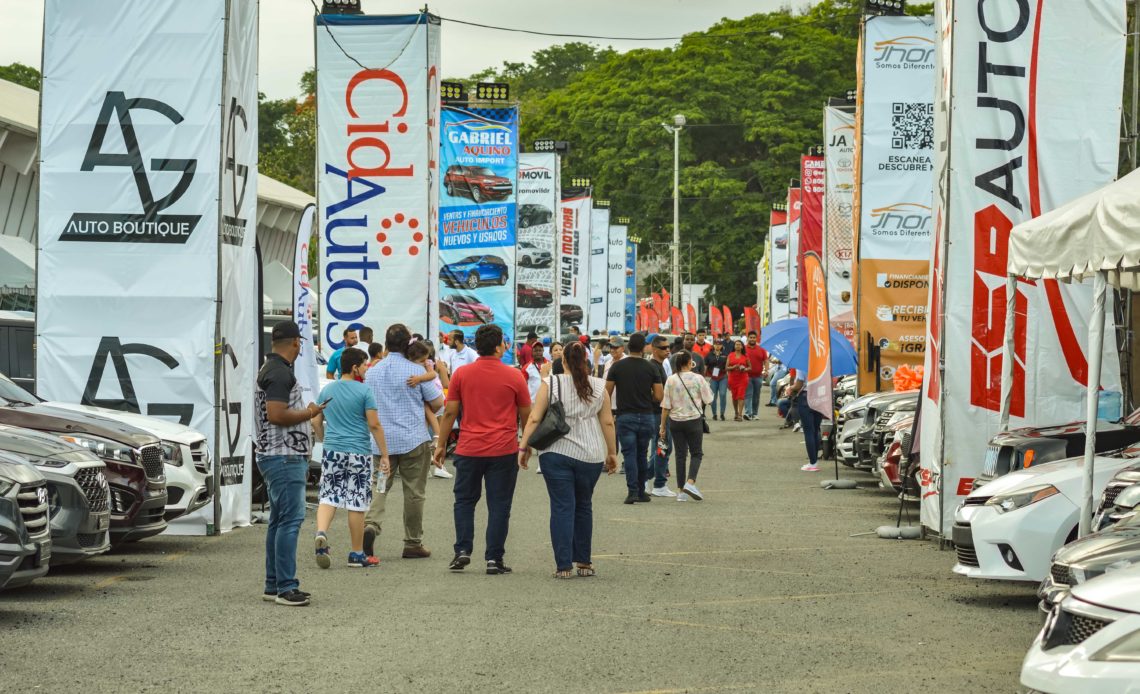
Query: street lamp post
[[678, 125]]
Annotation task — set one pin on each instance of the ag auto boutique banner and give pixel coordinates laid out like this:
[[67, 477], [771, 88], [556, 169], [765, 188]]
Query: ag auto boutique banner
[[376, 130], [477, 219], [535, 289], [147, 192]]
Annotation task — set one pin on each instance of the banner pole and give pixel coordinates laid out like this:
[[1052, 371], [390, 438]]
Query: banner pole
[[1008, 351], [1096, 355], [219, 348]]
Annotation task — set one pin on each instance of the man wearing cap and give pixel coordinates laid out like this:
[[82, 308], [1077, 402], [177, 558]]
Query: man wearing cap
[[617, 353], [283, 439]]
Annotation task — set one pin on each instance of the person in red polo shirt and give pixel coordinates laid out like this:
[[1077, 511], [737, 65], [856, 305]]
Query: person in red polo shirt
[[487, 451], [757, 364]]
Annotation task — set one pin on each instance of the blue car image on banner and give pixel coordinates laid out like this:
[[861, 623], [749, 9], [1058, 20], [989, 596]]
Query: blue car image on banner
[[477, 219]]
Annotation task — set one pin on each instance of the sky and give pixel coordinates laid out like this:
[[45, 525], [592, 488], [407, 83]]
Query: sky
[[286, 31]]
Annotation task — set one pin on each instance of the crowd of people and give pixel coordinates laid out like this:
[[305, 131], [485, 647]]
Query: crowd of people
[[388, 410]]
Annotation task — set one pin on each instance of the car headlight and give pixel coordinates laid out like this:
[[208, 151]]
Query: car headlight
[[1005, 503], [101, 447], [47, 462], [898, 417], [1124, 649], [171, 453], [6, 485]]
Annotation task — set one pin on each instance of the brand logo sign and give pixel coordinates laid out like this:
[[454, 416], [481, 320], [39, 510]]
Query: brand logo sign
[[236, 175], [905, 53], [147, 224]]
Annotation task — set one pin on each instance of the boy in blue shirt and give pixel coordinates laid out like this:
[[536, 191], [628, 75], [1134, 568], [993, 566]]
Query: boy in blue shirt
[[346, 466]]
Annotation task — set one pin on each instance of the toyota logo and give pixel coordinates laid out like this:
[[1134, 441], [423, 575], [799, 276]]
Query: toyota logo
[[42, 494]]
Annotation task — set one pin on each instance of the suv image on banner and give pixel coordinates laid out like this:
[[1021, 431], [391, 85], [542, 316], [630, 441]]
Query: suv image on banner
[[133, 458], [478, 183], [530, 255], [534, 215], [475, 270], [533, 297], [464, 309], [25, 538], [79, 498]]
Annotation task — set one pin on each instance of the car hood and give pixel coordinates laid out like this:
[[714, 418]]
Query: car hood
[[46, 417], [1066, 475], [1057, 431], [858, 403], [167, 431], [18, 469], [1118, 590], [883, 400], [33, 444], [1103, 547]]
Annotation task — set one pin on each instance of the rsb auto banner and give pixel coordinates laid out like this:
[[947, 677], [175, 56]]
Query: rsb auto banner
[[376, 132], [573, 259], [477, 217], [630, 285], [537, 292], [599, 268], [838, 226], [147, 192], [1027, 120], [615, 285], [895, 154]]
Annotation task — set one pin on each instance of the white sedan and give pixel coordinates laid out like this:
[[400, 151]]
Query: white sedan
[[1009, 529], [1090, 643]]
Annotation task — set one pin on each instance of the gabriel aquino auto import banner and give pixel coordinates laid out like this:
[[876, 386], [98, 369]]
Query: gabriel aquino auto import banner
[[477, 218]]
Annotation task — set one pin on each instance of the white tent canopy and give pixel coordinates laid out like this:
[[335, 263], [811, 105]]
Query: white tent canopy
[[1100, 231]]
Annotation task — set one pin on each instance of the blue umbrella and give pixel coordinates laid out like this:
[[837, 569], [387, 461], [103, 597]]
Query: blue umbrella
[[788, 341]]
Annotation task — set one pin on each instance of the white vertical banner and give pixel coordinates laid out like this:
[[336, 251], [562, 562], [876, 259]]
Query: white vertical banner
[[599, 264], [1021, 130], [536, 291], [780, 290], [377, 139], [130, 146], [838, 222], [615, 291], [305, 366], [573, 259]]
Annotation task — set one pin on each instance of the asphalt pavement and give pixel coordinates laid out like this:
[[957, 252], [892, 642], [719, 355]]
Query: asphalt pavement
[[759, 588]]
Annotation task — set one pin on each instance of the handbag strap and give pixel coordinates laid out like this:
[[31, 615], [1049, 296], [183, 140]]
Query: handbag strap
[[681, 380]]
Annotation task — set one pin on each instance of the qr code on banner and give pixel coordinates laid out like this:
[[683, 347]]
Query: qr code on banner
[[913, 125]]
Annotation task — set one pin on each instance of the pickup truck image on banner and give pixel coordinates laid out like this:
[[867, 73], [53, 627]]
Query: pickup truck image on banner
[[477, 222], [536, 295]]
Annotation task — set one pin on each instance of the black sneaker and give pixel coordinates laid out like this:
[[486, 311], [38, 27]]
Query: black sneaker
[[630, 498], [495, 568], [644, 498], [461, 560], [370, 540], [293, 598], [270, 596]]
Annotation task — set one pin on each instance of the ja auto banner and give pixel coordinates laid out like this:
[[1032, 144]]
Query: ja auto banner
[[811, 217], [615, 302], [477, 218], [599, 272], [537, 308], [895, 154], [838, 223], [140, 207], [794, 255], [573, 258], [376, 131], [630, 284], [778, 287], [1023, 126]]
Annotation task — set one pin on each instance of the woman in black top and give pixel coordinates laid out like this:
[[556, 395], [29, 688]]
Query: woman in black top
[[715, 369]]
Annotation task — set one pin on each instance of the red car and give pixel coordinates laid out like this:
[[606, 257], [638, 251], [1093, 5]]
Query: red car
[[464, 309], [533, 297], [476, 182]]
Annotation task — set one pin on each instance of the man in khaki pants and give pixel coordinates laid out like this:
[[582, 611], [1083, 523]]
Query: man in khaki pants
[[400, 408]]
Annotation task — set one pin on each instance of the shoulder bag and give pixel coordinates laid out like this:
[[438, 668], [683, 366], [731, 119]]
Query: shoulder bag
[[704, 422], [553, 425]]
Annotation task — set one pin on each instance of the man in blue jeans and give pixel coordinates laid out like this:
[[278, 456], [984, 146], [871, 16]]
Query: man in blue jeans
[[283, 439], [757, 365], [639, 388]]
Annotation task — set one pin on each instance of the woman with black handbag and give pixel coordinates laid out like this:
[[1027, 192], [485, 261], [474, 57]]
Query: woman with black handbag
[[572, 426], [684, 414]]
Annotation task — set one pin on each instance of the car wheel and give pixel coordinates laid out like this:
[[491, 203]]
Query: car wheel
[[503, 278], [525, 262], [477, 194], [473, 280], [450, 189]]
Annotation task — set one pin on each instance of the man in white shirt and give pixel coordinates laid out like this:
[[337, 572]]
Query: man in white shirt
[[460, 354]]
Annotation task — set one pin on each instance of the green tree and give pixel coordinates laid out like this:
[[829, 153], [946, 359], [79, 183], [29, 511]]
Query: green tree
[[21, 74]]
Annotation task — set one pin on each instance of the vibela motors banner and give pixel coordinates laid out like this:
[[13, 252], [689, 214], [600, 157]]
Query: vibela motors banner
[[811, 216], [818, 384], [838, 223], [1021, 128], [599, 268], [146, 209], [377, 171], [477, 217], [895, 154], [615, 286], [537, 291], [630, 284], [573, 258]]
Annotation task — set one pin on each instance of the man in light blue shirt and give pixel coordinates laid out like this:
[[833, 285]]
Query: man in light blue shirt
[[401, 409]]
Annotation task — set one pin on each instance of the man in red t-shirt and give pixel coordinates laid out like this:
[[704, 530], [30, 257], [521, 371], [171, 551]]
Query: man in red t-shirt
[[702, 346], [487, 451], [757, 365]]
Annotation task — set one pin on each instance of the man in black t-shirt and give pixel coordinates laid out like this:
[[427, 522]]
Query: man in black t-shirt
[[640, 386]]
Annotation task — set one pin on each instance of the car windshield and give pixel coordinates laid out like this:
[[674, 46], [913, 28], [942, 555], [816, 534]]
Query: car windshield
[[470, 259], [12, 394], [524, 244], [483, 171]]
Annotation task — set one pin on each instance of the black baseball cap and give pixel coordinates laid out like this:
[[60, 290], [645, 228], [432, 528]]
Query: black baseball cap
[[285, 330]]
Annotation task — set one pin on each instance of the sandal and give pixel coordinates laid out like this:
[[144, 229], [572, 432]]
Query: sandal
[[587, 570], [563, 573]]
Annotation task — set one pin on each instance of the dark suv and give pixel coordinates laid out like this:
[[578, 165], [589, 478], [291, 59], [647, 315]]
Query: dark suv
[[476, 182], [534, 215], [25, 539], [133, 457], [79, 497]]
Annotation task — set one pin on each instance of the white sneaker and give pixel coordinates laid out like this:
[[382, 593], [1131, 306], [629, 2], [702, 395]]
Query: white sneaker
[[441, 473], [663, 491], [691, 490], [537, 469], [681, 497], [810, 468], [648, 487], [797, 427]]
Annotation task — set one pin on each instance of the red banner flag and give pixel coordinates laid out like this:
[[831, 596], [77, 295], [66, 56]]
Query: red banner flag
[[716, 322], [729, 327], [751, 319], [811, 219], [690, 318], [677, 322]]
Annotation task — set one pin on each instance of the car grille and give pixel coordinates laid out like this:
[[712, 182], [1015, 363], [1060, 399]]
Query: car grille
[[976, 500], [33, 501], [967, 556], [1070, 629], [89, 540], [152, 462], [1061, 575], [93, 482], [904, 445], [1110, 493], [198, 455]]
